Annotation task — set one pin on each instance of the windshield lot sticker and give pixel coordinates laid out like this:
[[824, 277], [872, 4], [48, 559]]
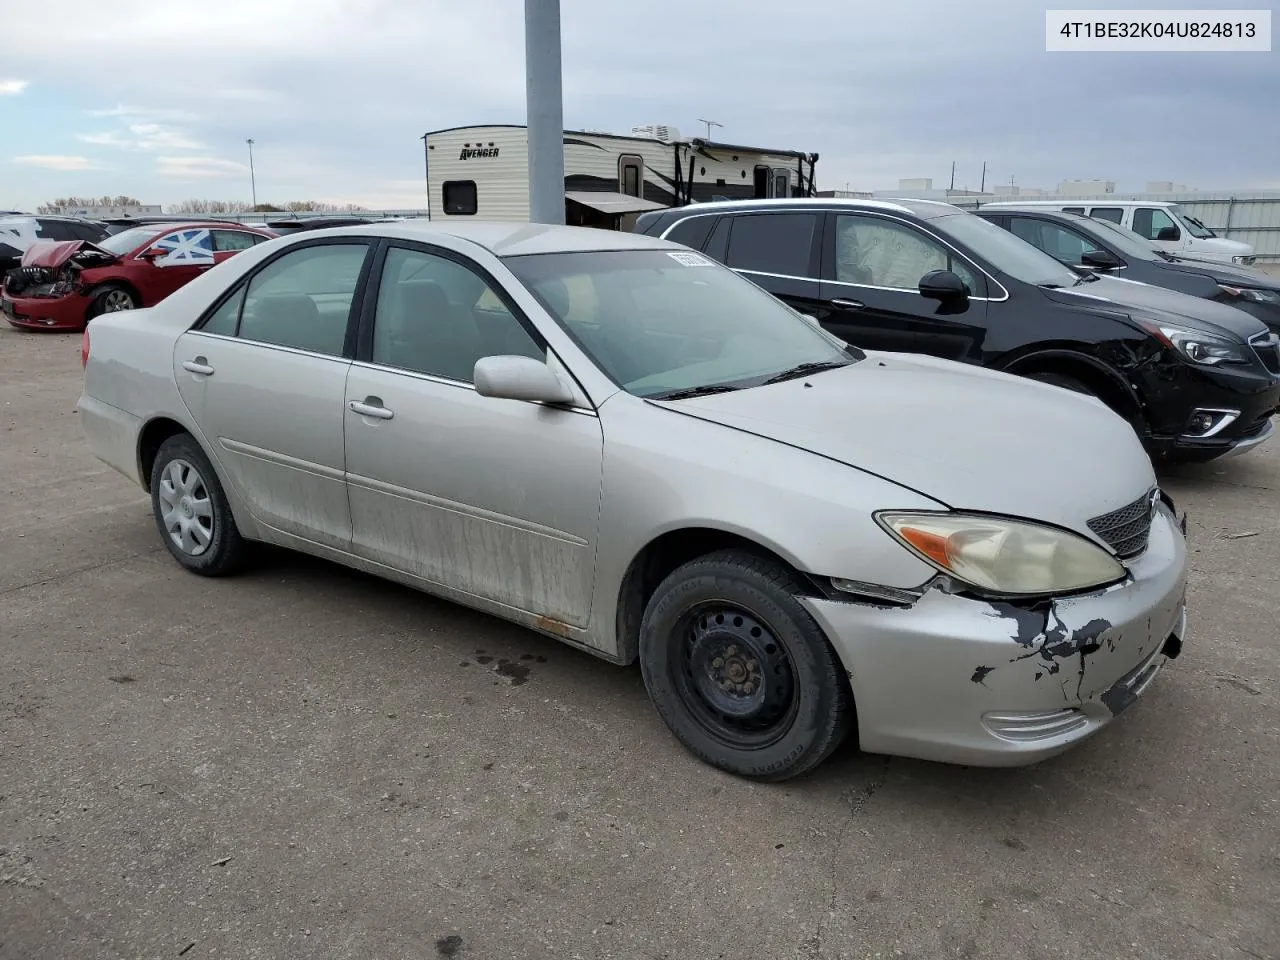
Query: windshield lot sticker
[[690, 259]]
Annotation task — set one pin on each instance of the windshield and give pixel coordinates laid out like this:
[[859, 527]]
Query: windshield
[[126, 240], [1004, 251], [1194, 226], [1130, 243], [662, 322]]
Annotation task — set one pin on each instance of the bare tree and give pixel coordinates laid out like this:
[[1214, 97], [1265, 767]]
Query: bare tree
[[53, 206]]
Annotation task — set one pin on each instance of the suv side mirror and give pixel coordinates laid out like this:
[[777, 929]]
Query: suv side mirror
[[153, 253], [1168, 234], [943, 285], [1100, 260], [519, 378]]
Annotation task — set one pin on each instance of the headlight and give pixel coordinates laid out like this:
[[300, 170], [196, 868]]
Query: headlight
[[1205, 349], [1251, 293], [1246, 261], [1007, 557]]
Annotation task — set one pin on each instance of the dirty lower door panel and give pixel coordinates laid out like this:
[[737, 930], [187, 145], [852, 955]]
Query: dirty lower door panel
[[499, 499]]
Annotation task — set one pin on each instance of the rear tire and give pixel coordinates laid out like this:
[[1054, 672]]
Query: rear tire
[[191, 510], [739, 671]]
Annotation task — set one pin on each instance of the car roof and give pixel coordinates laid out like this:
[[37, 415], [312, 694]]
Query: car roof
[[181, 224], [1081, 202], [924, 209], [504, 238], [1039, 211]]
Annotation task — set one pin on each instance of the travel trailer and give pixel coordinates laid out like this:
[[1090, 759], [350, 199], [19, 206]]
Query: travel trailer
[[482, 173]]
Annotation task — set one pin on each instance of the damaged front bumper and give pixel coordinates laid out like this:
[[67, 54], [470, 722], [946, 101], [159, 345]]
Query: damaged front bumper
[[66, 312], [964, 680]]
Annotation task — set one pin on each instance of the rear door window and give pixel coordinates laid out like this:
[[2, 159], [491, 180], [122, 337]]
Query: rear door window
[[303, 299], [777, 243], [692, 232], [1114, 214]]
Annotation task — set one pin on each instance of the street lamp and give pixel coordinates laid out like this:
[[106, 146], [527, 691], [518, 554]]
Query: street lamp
[[253, 183]]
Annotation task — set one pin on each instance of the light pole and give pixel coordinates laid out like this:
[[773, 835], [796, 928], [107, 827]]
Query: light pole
[[710, 124], [253, 183], [545, 107]]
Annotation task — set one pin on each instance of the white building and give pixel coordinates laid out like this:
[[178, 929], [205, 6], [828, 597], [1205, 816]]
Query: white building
[[1086, 188]]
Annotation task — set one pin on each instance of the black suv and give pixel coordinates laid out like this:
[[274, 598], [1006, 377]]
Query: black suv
[[1196, 379], [1085, 243], [19, 231]]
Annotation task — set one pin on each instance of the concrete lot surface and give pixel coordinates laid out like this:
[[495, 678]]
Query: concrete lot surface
[[306, 762]]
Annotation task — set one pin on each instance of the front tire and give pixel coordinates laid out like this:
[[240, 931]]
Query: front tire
[[739, 671], [191, 510], [110, 299]]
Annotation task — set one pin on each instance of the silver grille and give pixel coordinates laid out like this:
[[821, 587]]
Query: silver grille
[[1126, 530]]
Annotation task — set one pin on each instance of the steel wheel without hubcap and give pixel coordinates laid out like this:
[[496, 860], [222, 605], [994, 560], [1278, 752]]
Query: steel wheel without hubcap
[[739, 670], [116, 300], [186, 508], [735, 675]]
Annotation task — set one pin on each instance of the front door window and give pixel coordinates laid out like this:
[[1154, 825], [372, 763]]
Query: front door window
[[883, 253]]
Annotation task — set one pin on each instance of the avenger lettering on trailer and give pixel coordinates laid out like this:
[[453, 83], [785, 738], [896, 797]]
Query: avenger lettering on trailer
[[471, 152]]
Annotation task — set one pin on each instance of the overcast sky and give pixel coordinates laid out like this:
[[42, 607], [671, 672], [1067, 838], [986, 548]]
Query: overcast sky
[[156, 100]]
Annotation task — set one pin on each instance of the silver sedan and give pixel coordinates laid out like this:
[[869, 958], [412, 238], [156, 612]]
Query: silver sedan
[[614, 441]]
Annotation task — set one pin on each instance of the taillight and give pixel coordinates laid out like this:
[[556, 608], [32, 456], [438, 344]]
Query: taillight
[[84, 347]]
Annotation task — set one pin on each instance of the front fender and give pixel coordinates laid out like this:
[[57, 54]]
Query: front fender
[[664, 471]]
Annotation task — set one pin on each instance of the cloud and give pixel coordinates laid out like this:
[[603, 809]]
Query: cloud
[[58, 162], [149, 113], [12, 87], [199, 168], [900, 90], [143, 136]]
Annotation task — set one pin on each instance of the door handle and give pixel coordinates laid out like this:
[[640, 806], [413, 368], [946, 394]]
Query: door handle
[[848, 304], [370, 407], [199, 365]]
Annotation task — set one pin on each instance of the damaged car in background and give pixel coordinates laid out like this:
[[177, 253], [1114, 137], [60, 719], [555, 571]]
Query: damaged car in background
[[62, 285], [797, 539]]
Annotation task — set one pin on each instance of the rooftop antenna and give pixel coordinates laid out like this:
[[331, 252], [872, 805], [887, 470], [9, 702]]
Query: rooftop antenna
[[710, 124]]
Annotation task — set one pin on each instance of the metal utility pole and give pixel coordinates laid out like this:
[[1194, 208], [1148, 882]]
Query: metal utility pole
[[710, 124], [983, 187], [545, 107], [253, 183], [953, 174]]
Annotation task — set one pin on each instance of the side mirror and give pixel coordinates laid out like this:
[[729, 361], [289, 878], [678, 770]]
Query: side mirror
[[1100, 260], [519, 378], [1168, 234], [943, 285], [153, 253]]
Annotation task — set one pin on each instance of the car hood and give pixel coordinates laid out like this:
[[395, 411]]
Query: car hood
[[1161, 303], [54, 253], [1233, 247], [1232, 276], [968, 437]]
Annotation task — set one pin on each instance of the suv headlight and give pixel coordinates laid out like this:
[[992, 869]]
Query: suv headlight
[[1206, 349], [1005, 557], [1252, 293]]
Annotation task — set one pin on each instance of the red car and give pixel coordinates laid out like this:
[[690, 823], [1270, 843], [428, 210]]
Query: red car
[[63, 285]]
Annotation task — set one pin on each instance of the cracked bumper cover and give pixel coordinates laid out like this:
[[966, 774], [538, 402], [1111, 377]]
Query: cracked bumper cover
[[962, 680]]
